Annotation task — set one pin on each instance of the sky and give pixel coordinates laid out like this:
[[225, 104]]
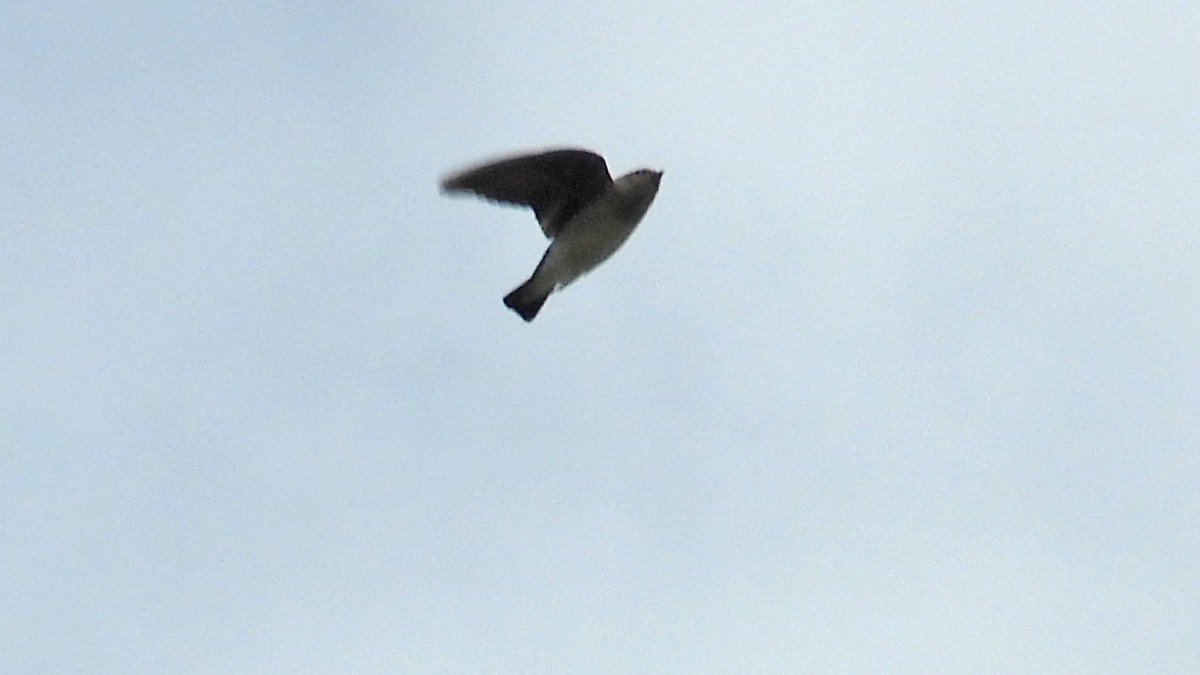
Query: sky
[[899, 373]]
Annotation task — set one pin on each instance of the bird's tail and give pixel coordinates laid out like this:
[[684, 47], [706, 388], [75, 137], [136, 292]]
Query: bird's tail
[[528, 298]]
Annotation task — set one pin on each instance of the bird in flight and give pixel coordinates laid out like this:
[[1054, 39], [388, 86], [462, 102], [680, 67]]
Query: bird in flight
[[584, 212]]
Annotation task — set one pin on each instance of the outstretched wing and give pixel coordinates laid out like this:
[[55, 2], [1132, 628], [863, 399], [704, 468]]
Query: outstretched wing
[[556, 184]]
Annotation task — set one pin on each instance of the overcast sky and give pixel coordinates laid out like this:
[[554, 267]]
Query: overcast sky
[[900, 373]]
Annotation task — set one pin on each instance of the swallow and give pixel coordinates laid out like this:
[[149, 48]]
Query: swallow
[[584, 212]]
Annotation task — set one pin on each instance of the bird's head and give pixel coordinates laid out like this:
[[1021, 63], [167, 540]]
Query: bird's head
[[638, 190]]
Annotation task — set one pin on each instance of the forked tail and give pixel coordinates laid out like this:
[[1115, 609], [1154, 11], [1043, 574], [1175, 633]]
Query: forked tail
[[527, 299]]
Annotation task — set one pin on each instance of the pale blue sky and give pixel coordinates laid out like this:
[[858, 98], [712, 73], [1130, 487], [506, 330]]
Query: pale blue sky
[[899, 374]]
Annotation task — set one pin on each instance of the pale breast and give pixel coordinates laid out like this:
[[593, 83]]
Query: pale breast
[[588, 240]]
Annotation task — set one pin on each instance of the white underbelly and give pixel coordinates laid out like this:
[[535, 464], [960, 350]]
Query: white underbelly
[[588, 240]]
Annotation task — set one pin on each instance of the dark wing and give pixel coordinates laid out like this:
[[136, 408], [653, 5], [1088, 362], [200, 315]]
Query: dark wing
[[556, 184]]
